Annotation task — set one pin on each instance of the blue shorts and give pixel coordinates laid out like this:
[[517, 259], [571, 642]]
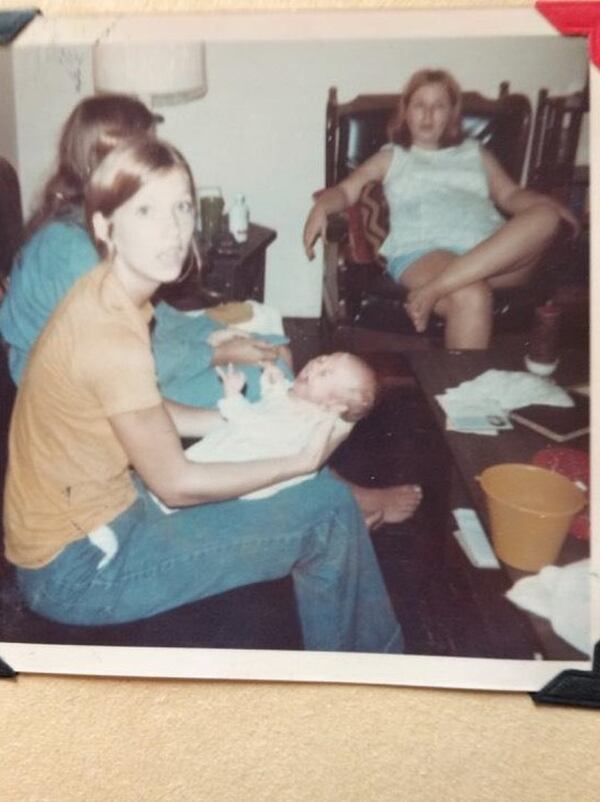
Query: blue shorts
[[399, 264]]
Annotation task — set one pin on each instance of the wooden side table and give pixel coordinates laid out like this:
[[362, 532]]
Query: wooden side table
[[233, 272], [238, 273]]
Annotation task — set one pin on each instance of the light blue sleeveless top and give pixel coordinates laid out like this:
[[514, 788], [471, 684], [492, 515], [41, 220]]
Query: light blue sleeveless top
[[437, 199]]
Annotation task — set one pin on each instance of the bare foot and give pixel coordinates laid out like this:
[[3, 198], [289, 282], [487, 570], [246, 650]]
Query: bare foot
[[420, 306], [374, 519], [388, 505]]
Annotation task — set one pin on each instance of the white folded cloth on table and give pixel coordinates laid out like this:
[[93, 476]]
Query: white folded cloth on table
[[561, 595], [480, 405], [510, 389]]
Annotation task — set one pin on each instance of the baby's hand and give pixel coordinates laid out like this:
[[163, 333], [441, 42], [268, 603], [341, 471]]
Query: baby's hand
[[272, 373], [233, 380]]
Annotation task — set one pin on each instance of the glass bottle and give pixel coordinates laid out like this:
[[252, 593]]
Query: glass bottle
[[239, 216]]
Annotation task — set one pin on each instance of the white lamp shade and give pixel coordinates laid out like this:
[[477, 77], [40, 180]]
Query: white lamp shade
[[163, 73]]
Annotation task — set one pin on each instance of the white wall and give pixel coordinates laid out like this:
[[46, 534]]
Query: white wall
[[260, 128], [51, 65], [8, 127]]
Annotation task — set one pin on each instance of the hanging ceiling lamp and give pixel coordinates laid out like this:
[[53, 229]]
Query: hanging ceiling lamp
[[159, 73]]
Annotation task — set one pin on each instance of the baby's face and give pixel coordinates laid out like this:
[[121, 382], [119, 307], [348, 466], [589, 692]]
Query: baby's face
[[331, 380]]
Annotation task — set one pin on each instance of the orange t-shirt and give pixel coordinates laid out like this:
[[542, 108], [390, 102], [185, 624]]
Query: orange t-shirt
[[67, 472]]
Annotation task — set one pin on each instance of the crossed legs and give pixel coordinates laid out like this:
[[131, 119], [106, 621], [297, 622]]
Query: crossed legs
[[459, 288]]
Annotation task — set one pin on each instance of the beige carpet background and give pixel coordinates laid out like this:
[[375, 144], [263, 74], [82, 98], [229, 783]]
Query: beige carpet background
[[64, 739]]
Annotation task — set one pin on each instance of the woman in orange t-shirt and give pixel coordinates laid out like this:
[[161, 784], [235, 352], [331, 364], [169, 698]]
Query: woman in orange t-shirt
[[90, 544]]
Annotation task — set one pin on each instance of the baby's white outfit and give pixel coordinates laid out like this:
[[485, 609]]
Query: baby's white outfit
[[437, 199], [275, 426]]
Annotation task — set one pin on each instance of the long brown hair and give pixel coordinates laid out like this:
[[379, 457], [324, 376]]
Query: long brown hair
[[398, 130], [127, 168], [92, 129]]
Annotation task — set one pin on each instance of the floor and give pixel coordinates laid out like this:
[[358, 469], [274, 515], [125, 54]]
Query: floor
[[446, 606]]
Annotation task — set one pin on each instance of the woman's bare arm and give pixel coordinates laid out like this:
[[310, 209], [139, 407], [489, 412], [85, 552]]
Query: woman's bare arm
[[341, 196], [151, 442], [192, 421], [512, 199]]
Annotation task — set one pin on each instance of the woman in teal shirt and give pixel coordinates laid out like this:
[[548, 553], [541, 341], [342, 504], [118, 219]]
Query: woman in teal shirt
[[57, 251]]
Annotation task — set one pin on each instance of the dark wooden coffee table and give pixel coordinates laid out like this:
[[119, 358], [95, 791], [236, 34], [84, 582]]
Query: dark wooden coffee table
[[436, 370]]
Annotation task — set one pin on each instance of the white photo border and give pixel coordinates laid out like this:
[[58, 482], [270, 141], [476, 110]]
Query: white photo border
[[287, 666]]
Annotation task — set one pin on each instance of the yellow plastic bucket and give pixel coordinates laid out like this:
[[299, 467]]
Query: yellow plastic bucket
[[530, 511]]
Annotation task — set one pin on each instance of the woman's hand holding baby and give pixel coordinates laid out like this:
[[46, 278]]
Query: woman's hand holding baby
[[324, 440], [244, 350]]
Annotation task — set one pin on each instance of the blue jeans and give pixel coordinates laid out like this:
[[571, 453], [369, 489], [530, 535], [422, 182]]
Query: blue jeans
[[313, 530]]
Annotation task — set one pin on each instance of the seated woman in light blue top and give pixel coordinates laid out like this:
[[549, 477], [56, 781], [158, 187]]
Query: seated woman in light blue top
[[448, 243], [58, 250]]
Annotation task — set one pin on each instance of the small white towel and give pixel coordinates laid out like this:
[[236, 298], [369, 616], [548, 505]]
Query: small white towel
[[510, 389], [104, 539], [561, 595]]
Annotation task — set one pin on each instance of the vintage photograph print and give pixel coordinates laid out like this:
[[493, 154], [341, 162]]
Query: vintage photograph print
[[295, 366]]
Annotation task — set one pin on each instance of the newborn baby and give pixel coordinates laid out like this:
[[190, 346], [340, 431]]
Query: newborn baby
[[339, 386]]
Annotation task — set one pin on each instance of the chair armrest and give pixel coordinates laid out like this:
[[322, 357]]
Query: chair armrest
[[344, 281], [337, 227]]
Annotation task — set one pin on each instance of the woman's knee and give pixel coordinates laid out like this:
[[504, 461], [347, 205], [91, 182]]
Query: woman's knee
[[473, 299], [545, 220]]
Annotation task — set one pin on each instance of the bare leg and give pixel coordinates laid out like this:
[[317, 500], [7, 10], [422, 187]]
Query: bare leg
[[468, 314], [381, 505], [504, 259], [467, 311]]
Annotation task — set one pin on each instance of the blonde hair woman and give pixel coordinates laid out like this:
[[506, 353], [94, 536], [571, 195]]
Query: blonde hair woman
[[448, 243]]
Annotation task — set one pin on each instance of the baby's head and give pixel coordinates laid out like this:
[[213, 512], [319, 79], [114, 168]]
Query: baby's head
[[338, 381]]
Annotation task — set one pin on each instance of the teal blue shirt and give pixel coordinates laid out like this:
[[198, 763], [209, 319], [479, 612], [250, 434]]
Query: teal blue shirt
[[46, 269]]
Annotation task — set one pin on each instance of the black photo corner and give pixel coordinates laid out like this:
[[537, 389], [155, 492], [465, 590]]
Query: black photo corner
[[573, 687], [13, 22]]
